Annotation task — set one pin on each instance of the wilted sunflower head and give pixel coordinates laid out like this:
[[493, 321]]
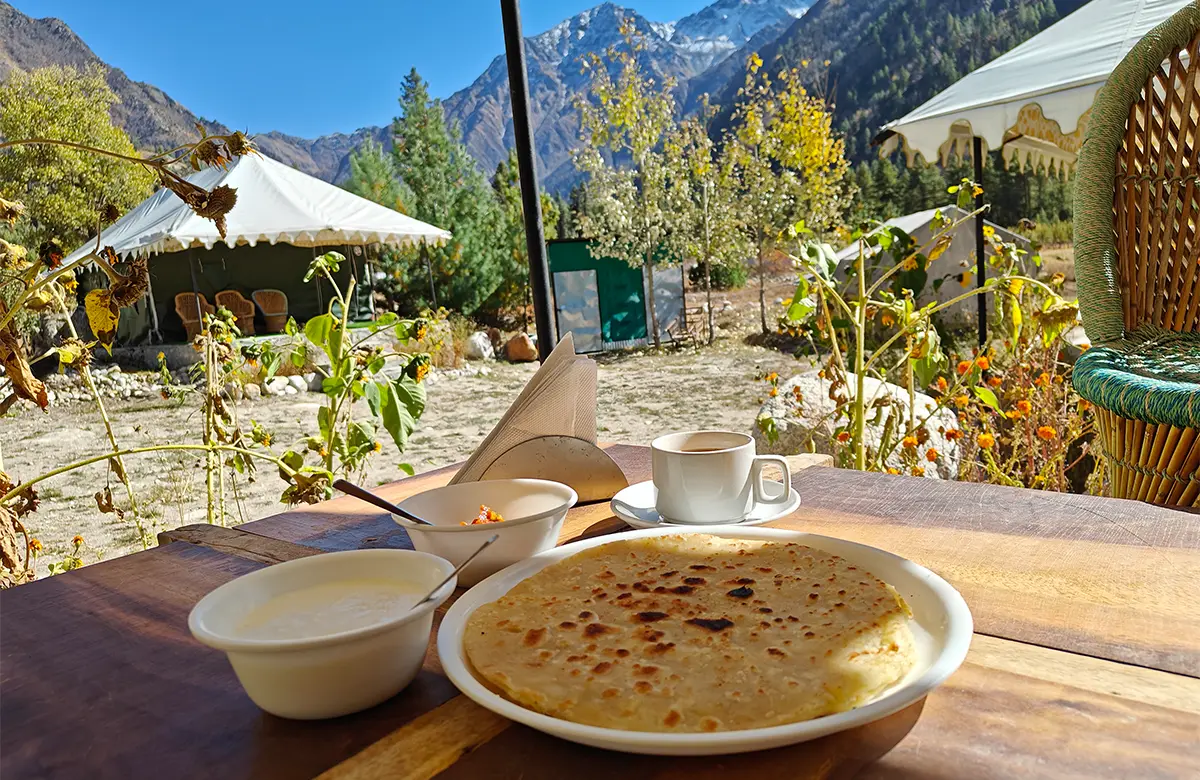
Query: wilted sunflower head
[[208, 153], [129, 287], [50, 253], [237, 144], [10, 210], [12, 256], [220, 202], [109, 213]]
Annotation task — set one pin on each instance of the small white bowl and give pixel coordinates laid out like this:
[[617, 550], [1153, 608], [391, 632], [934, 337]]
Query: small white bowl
[[335, 674], [533, 512]]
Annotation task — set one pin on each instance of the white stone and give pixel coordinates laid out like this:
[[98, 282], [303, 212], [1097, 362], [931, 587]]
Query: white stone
[[253, 392], [289, 390], [312, 381], [479, 347], [811, 419], [275, 385], [298, 382]]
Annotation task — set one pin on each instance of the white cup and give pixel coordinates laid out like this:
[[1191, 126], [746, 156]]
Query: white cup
[[712, 476]]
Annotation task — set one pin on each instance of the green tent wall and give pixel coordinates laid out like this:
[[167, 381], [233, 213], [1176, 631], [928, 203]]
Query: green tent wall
[[622, 290]]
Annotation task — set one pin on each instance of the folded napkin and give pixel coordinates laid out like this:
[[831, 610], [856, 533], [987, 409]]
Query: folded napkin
[[559, 400]]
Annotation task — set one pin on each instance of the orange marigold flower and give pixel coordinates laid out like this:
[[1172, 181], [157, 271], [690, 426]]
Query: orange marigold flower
[[843, 437], [983, 362], [377, 446], [77, 540], [994, 381], [892, 470], [986, 441], [941, 384], [1013, 414], [1084, 404], [772, 377], [931, 455], [35, 544], [961, 401], [910, 442], [774, 392], [1042, 379], [953, 434], [963, 367], [1024, 406], [918, 471], [888, 319], [1046, 433]]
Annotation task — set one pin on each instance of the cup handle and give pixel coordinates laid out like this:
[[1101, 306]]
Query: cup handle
[[760, 495]]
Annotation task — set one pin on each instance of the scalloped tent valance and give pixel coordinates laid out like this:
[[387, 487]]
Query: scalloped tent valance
[[276, 203], [1033, 102]]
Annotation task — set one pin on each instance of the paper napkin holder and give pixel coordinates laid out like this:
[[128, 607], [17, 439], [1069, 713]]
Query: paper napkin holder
[[579, 463]]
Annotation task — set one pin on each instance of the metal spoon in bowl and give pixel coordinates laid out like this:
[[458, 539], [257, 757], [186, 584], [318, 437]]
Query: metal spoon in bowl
[[457, 569], [362, 494]]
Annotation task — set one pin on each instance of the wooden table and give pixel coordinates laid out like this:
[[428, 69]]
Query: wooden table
[[1086, 661]]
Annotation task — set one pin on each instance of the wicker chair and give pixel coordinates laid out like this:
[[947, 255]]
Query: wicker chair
[[240, 308], [1137, 260], [191, 308], [274, 306]]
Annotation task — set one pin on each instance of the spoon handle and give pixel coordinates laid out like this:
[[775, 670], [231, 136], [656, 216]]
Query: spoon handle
[[350, 489], [457, 569]]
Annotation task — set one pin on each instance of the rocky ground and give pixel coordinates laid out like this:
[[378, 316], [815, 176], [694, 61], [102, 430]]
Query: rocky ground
[[641, 394]]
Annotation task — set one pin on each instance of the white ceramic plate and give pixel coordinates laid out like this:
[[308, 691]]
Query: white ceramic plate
[[635, 505], [941, 625]]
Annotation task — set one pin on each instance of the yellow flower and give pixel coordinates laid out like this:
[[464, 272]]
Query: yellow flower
[[988, 230], [918, 471], [909, 264], [1084, 404], [772, 377], [1024, 406], [774, 392], [892, 470], [1046, 433], [965, 279], [931, 455], [983, 362], [377, 446], [961, 401], [977, 191], [322, 452], [1013, 414], [910, 442], [994, 381], [35, 544], [941, 384], [77, 540], [843, 437], [1042, 379], [986, 440], [161, 357], [888, 319]]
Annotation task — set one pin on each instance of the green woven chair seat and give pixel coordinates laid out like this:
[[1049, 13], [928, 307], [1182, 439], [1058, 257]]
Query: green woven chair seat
[[1151, 375]]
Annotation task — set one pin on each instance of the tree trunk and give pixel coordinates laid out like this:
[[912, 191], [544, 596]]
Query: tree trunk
[[650, 301], [708, 297], [762, 288]]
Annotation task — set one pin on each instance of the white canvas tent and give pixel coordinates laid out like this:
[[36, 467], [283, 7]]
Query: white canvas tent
[[955, 262], [278, 209], [274, 203], [1033, 101]]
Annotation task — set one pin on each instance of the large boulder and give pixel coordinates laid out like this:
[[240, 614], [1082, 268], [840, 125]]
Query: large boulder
[[809, 417], [521, 349], [479, 347]]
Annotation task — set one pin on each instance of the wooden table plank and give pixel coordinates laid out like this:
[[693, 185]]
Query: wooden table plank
[[1013, 710], [101, 679]]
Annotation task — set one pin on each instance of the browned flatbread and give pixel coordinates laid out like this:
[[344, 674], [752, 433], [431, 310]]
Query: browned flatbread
[[693, 633]]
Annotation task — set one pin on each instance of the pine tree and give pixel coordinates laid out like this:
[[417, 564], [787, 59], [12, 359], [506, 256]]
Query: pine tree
[[448, 191], [373, 176]]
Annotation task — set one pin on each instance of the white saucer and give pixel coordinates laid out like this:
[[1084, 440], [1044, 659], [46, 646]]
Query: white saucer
[[635, 505]]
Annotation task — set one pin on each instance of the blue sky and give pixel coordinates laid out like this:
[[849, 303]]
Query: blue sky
[[301, 66]]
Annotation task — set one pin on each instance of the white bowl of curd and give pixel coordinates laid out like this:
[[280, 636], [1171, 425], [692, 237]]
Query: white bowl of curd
[[327, 635]]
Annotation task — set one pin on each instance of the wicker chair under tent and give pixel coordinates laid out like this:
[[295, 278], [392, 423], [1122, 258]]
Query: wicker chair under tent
[[1137, 261], [240, 308], [191, 308], [274, 306]]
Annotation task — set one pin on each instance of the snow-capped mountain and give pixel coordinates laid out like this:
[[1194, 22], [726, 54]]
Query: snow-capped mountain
[[683, 50]]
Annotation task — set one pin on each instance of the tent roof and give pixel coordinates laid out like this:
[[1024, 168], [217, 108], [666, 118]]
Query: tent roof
[[274, 203], [911, 223], [1033, 100]]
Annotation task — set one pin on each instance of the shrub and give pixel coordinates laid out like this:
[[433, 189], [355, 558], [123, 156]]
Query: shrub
[[724, 276]]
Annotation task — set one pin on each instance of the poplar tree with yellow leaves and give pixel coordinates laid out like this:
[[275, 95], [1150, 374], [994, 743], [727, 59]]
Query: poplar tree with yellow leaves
[[790, 168]]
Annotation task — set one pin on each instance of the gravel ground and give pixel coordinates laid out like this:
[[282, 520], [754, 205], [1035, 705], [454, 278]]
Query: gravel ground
[[641, 394]]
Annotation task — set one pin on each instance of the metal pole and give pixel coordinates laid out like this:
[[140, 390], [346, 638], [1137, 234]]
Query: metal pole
[[531, 205], [980, 264]]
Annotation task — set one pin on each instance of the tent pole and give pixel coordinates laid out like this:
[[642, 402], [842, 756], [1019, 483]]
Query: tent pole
[[980, 264], [154, 331], [535, 244], [195, 286]]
